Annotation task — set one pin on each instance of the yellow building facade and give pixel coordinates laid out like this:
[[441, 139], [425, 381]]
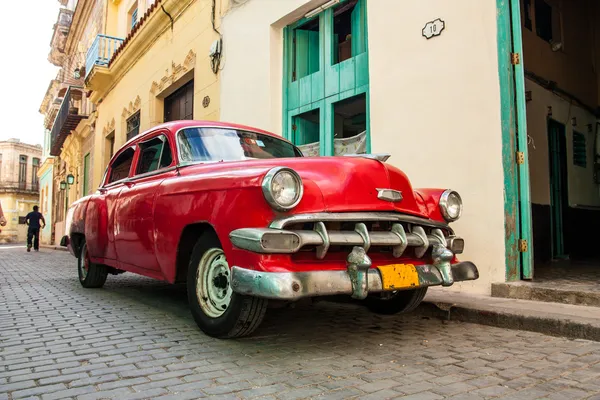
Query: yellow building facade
[[19, 187], [158, 67]]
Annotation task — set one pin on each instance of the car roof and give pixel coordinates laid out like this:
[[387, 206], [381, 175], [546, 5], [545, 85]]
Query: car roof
[[175, 126]]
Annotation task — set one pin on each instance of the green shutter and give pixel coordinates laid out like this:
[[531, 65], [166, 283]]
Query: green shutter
[[579, 150], [86, 174], [307, 53], [358, 29], [306, 131]]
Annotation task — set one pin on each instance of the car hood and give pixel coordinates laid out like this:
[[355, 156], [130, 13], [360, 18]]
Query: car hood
[[331, 184]]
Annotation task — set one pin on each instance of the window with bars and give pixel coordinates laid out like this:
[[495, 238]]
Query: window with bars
[[133, 125]]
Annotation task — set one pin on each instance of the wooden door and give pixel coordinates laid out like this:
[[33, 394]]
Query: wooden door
[[180, 105]]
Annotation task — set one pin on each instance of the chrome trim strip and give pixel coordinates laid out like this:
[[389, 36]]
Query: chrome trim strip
[[297, 285], [252, 239], [383, 157], [376, 216]]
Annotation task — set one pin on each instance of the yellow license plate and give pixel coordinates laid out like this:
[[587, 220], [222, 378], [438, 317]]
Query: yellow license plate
[[399, 276]]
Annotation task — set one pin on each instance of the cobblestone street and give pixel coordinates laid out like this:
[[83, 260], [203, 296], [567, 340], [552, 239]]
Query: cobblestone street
[[136, 339]]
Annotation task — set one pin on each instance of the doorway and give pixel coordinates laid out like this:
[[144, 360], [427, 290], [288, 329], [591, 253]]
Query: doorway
[[180, 104], [548, 53], [559, 188]]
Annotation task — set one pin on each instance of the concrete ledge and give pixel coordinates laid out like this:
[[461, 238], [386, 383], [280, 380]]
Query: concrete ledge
[[564, 320], [529, 291]]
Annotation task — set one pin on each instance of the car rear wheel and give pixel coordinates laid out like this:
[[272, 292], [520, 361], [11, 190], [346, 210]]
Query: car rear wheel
[[216, 308], [90, 275], [402, 301]]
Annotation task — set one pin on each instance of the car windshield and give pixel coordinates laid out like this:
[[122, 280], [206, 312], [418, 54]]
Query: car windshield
[[221, 144]]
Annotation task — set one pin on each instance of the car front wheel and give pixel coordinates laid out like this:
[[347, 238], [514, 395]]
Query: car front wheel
[[90, 275], [402, 301], [216, 308]]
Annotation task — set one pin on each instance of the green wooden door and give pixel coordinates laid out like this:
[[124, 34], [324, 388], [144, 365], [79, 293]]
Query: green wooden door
[[559, 201], [86, 174]]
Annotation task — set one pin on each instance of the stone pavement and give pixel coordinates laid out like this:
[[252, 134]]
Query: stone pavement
[[135, 339]]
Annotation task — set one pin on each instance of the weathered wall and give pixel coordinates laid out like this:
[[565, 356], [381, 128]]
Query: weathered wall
[[426, 107], [15, 205], [9, 171], [573, 67], [582, 190], [171, 60]]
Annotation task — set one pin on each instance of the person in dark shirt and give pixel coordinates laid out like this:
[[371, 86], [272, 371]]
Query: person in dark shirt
[[33, 220]]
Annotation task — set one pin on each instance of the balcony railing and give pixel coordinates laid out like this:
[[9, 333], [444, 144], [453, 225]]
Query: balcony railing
[[101, 52], [73, 109], [21, 187]]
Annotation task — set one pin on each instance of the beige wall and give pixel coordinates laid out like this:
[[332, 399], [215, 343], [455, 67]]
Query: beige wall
[[170, 61], [14, 206], [582, 189], [435, 104], [11, 151]]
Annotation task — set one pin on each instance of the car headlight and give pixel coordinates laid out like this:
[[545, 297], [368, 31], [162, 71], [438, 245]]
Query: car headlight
[[282, 188], [451, 205]]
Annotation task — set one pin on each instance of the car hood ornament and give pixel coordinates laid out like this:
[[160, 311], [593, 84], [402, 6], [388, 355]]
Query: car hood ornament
[[389, 195]]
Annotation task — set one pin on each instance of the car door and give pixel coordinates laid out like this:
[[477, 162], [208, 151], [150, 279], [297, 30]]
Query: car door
[[102, 219], [136, 235]]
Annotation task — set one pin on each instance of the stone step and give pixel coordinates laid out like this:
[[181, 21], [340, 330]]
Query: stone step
[[565, 320], [583, 295]]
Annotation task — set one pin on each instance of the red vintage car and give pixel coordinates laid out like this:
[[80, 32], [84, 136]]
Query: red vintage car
[[241, 217]]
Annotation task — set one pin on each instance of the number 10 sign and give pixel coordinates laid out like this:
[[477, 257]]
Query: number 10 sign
[[434, 28]]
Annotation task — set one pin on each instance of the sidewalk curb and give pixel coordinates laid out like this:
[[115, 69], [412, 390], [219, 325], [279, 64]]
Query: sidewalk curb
[[558, 326]]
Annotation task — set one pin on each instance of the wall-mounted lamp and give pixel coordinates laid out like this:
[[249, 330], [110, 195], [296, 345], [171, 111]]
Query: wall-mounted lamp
[[323, 7], [77, 73], [70, 179], [63, 185]]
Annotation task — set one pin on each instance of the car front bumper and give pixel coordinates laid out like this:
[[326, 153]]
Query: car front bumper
[[297, 285], [360, 276]]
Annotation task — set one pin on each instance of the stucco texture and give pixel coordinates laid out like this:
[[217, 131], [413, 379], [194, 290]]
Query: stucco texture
[[435, 104]]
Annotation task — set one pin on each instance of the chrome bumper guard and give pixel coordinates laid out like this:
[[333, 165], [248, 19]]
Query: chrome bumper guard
[[359, 278], [297, 285]]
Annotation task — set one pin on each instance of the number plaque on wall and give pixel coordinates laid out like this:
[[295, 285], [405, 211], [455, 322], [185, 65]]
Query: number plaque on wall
[[433, 28]]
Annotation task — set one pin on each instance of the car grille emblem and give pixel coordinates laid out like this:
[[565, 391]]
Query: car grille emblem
[[389, 195]]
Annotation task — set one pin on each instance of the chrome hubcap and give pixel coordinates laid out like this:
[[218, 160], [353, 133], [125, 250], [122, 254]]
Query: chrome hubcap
[[212, 283], [84, 263]]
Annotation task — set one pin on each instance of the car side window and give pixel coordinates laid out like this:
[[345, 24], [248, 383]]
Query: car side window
[[121, 166], [154, 154]]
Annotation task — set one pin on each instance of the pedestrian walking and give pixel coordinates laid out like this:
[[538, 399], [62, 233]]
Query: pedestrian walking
[[33, 220]]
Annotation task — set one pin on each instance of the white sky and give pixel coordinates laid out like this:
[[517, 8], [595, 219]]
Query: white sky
[[26, 71]]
